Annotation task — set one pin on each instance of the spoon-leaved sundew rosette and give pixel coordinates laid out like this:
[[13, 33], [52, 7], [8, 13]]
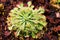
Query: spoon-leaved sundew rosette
[[26, 21]]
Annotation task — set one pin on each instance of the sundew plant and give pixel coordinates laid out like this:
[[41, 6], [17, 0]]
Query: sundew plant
[[26, 21]]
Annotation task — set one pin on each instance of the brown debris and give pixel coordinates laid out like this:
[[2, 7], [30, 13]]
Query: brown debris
[[56, 28], [3, 0]]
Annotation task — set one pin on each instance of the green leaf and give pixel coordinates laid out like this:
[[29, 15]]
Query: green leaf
[[41, 10], [29, 3], [21, 5], [58, 1], [10, 28], [17, 32], [43, 23], [33, 35]]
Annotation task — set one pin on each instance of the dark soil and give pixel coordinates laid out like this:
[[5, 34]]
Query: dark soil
[[53, 26]]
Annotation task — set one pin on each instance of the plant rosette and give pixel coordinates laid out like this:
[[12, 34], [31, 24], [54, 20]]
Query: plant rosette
[[26, 21]]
